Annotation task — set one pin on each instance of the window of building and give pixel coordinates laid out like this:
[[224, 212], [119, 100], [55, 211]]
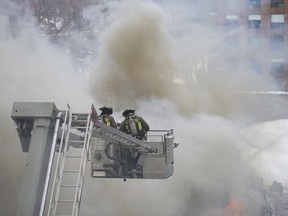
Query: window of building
[[277, 42], [232, 41], [232, 64], [254, 42], [254, 21], [254, 65], [277, 66], [254, 3], [277, 3], [277, 20], [231, 21]]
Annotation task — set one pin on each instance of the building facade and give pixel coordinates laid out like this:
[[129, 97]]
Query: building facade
[[255, 36]]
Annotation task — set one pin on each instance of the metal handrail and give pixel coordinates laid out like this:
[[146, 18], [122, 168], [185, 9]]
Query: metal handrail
[[58, 174], [80, 181], [50, 163]]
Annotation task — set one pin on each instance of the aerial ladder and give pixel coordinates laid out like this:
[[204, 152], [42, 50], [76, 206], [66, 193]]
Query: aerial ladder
[[78, 138], [68, 180]]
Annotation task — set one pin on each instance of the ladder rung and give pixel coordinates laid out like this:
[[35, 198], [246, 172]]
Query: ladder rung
[[62, 215], [73, 156], [78, 127], [79, 124], [80, 114], [68, 185], [79, 119], [71, 170], [83, 114], [66, 201]]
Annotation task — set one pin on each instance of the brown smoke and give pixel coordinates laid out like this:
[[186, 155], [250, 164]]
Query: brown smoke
[[135, 61], [136, 66], [138, 60]]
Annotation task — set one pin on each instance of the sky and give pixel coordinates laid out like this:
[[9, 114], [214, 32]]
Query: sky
[[141, 45]]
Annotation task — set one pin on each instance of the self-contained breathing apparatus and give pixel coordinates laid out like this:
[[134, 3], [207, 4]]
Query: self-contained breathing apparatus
[[135, 128], [132, 126]]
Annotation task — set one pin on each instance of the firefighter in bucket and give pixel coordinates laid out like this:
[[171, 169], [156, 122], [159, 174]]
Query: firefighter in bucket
[[106, 116], [134, 125]]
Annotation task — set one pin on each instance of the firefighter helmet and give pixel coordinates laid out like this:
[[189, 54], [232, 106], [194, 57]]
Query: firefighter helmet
[[106, 110], [128, 111]]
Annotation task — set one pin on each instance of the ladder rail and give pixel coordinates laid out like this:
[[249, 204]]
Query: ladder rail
[[59, 164], [50, 163], [60, 169], [80, 180]]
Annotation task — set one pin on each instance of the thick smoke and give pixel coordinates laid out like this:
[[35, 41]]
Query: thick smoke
[[31, 70], [140, 64], [144, 55], [208, 171], [135, 61]]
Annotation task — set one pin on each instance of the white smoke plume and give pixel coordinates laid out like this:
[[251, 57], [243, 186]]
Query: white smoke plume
[[139, 64], [142, 57], [31, 70], [139, 70]]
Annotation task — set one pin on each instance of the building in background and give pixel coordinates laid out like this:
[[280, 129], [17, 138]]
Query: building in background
[[255, 36]]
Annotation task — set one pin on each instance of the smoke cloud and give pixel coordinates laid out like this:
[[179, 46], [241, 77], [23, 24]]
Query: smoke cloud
[[152, 57], [31, 70], [135, 61], [143, 59], [140, 59]]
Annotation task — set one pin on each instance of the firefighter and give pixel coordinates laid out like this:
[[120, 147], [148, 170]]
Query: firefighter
[[134, 125], [106, 116]]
